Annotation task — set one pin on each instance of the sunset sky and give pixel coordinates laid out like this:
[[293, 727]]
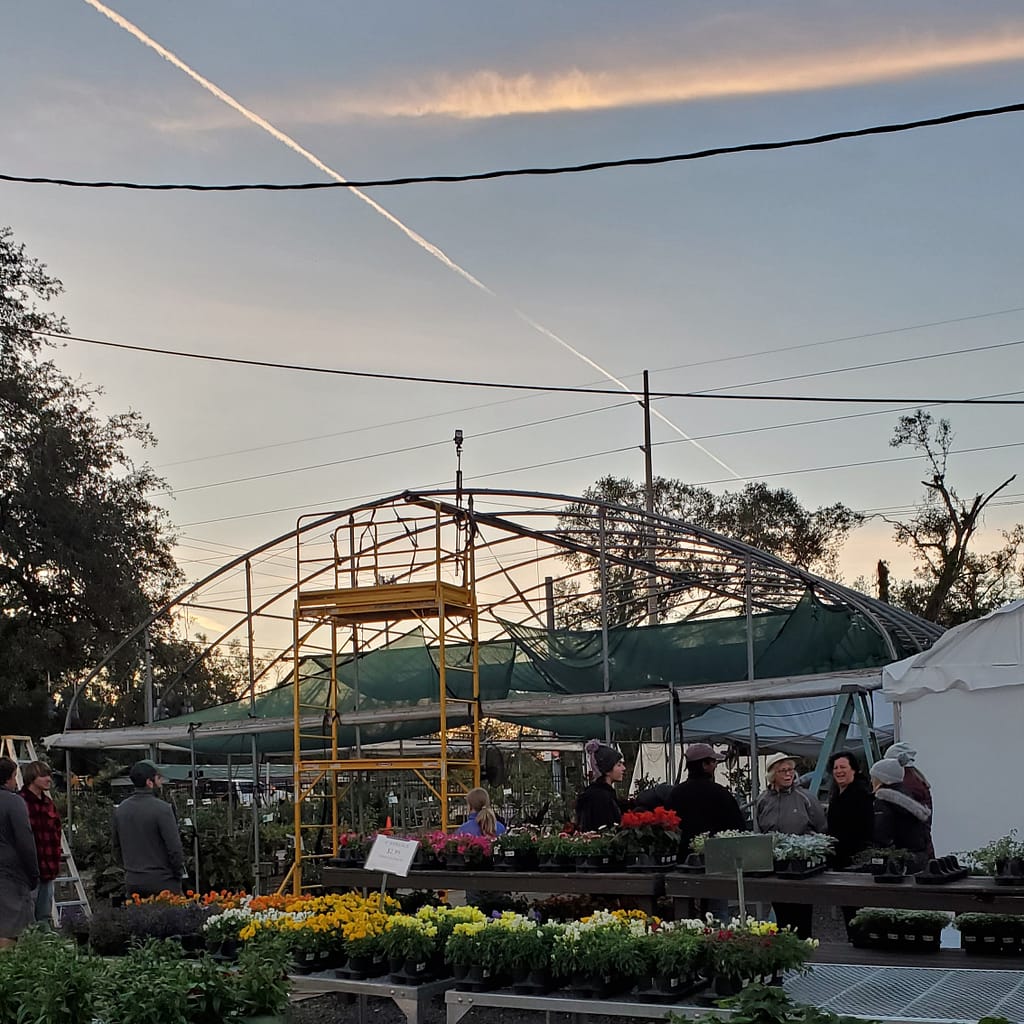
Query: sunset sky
[[739, 272]]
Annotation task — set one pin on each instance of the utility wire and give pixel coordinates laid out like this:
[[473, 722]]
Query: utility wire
[[836, 341], [519, 172], [663, 369], [507, 386]]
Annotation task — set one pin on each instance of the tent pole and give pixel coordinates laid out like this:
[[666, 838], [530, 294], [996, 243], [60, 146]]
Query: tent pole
[[603, 580], [754, 780], [670, 768], [68, 786], [195, 800], [231, 798], [255, 756]]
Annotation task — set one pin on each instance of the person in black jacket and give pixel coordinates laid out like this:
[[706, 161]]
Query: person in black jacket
[[851, 810], [701, 803], [597, 806], [703, 806], [900, 821], [851, 815]]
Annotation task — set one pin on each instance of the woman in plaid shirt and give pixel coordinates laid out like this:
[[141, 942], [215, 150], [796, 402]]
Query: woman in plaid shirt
[[45, 819]]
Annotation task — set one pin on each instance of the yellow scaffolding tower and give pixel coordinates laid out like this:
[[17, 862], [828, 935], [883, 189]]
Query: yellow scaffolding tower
[[436, 588]]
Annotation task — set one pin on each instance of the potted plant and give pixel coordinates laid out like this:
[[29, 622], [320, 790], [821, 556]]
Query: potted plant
[[556, 852], [744, 952], [885, 928], [363, 935], [462, 951], [648, 840], [693, 862], [411, 945], [887, 864], [472, 853], [430, 854], [350, 851], [523, 948], [599, 956], [1002, 858], [991, 933], [595, 851], [516, 850], [801, 856], [261, 985], [675, 956]]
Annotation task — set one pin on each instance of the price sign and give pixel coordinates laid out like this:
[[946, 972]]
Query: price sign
[[392, 856]]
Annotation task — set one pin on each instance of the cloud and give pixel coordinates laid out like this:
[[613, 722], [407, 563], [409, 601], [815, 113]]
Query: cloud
[[487, 93]]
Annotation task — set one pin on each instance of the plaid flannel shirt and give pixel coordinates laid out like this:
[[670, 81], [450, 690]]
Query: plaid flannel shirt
[[45, 819]]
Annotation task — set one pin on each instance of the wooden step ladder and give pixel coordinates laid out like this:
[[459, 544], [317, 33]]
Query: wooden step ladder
[[21, 750]]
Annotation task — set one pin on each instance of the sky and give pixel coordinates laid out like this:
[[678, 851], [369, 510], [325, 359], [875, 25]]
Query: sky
[[738, 272]]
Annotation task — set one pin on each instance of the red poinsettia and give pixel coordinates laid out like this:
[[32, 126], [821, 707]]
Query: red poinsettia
[[651, 832], [660, 817]]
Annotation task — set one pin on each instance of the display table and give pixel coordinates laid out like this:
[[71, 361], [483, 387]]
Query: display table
[[845, 889], [643, 889], [412, 1000], [458, 1004], [894, 995]]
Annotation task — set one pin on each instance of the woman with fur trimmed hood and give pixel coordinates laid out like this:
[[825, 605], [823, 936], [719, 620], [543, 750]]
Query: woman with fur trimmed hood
[[901, 821]]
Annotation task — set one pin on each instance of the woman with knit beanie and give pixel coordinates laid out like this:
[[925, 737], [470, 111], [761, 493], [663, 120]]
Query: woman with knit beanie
[[597, 806]]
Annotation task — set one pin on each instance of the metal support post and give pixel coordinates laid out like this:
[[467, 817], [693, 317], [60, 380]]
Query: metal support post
[[603, 581]]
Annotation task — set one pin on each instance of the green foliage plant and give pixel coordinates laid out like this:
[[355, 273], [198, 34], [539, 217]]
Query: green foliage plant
[[888, 919], [988, 857], [261, 982], [47, 980], [767, 1004], [410, 938]]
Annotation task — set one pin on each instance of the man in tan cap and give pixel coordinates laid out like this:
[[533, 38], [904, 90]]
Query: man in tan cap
[[701, 803]]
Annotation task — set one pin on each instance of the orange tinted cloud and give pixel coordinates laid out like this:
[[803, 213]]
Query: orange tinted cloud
[[486, 94], [492, 93]]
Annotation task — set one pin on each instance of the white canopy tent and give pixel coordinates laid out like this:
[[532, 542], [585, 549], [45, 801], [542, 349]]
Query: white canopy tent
[[960, 704]]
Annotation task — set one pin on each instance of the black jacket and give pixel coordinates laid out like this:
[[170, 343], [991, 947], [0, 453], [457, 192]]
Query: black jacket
[[596, 807], [703, 806], [901, 822], [851, 821]]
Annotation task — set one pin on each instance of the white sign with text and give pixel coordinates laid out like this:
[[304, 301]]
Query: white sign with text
[[392, 856]]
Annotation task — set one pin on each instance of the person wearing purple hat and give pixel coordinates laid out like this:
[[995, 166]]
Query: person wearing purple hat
[[598, 806], [701, 803]]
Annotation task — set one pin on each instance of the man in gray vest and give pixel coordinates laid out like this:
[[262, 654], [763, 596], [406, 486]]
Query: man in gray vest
[[146, 837]]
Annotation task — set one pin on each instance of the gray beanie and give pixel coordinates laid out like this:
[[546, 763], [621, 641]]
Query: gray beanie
[[903, 752], [888, 771], [601, 759]]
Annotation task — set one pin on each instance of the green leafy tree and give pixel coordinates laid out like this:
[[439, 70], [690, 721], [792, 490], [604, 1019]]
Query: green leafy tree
[[952, 582], [83, 552], [770, 519]]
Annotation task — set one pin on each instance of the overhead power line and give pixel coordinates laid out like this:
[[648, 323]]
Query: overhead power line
[[509, 386], [521, 172]]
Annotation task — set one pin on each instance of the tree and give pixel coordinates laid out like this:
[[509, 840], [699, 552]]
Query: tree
[[952, 583], [772, 520], [83, 553]]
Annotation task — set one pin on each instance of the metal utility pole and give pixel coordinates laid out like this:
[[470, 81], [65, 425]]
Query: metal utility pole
[[148, 647], [652, 584]]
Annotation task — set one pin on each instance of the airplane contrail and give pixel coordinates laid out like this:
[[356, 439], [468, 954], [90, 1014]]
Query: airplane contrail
[[412, 235]]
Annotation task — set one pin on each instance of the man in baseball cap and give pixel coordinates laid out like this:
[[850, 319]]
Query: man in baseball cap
[[701, 803], [146, 835]]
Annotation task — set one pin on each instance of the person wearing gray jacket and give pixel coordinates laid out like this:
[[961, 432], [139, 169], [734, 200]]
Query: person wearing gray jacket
[[19, 866], [787, 807], [146, 836]]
